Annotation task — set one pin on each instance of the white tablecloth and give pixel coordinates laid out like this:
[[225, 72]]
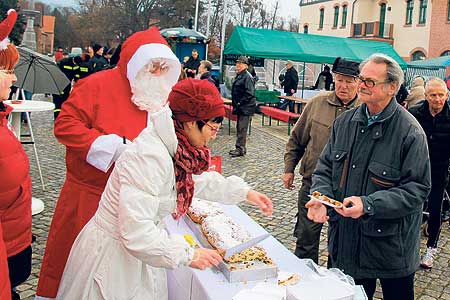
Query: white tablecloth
[[26, 106], [189, 284], [307, 94]]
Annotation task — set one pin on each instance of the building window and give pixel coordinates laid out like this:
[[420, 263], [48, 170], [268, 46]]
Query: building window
[[344, 15], [305, 29], [409, 11], [423, 11], [445, 53], [448, 11], [322, 14], [382, 20], [418, 55], [336, 16]]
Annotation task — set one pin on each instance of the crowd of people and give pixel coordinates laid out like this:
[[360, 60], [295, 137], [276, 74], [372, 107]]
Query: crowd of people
[[136, 139]]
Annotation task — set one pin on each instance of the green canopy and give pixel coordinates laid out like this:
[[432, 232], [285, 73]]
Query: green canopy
[[435, 62], [294, 46]]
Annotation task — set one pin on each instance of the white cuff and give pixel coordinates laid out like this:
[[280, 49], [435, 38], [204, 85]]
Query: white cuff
[[103, 150]]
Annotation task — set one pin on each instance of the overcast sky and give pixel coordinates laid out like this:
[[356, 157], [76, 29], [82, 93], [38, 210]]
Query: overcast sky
[[286, 7]]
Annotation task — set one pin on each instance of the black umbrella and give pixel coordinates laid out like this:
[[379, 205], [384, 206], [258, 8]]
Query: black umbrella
[[38, 73]]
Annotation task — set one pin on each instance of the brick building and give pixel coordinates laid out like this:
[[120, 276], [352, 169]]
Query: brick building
[[417, 29]]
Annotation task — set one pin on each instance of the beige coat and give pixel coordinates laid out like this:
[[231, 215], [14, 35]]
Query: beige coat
[[311, 132], [417, 92]]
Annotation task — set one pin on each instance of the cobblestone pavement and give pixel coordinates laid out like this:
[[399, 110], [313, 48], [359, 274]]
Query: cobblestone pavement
[[262, 168]]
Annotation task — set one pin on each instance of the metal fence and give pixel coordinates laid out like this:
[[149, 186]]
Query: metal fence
[[412, 72]]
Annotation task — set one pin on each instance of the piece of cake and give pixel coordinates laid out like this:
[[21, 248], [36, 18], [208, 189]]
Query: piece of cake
[[223, 233], [200, 209], [250, 254]]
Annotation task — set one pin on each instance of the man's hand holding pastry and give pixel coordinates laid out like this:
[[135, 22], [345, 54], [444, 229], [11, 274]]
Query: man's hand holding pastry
[[353, 208], [317, 212]]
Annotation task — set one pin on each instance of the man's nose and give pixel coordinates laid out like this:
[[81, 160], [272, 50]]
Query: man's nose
[[157, 72]]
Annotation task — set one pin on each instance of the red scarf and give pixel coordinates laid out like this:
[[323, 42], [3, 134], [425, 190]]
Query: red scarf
[[188, 160]]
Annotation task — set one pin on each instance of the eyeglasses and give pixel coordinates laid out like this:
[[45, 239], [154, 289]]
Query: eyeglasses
[[370, 83], [213, 129], [156, 66], [8, 72]]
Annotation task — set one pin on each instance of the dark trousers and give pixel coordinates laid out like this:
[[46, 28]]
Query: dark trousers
[[241, 132], [19, 266], [306, 231], [393, 288], [284, 103], [439, 179]]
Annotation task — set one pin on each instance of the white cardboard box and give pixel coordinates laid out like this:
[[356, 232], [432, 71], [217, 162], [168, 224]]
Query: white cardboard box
[[320, 289]]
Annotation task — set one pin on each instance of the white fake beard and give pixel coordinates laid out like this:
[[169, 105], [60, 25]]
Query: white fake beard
[[150, 92]]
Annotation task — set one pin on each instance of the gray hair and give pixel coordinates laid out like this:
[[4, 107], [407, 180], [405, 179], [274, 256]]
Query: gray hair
[[207, 64], [394, 72], [435, 80]]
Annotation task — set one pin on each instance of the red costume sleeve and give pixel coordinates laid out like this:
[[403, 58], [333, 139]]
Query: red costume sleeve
[[75, 126]]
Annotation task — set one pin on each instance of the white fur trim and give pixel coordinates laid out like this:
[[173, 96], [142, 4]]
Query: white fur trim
[[10, 11], [4, 44], [147, 52]]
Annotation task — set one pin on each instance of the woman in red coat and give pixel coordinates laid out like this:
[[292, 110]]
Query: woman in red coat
[[15, 183]]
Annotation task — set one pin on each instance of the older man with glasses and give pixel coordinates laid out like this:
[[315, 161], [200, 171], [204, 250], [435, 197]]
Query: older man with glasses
[[376, 162]]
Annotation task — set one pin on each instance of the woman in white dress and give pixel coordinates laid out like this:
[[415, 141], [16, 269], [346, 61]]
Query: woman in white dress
[[123, 251]]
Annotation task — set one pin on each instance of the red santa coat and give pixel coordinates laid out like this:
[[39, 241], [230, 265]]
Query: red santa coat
[[5, 288], [15, 190], [98, 107]]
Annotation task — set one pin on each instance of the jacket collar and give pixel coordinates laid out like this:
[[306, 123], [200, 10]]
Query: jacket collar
[[424, 110], [335, 101], [387, 113], [4, 113], [377, 126], [163, 124]]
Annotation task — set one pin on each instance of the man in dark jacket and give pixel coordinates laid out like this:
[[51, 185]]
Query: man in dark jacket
[[324, 80], [434, 116], [289, 84], [191, 66], [244, 104], [376, 161], [98, 62], [205, 72], [70, 67]]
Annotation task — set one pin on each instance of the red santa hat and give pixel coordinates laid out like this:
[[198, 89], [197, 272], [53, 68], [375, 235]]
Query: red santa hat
[[192, 100], [5, 28], [143, 46]]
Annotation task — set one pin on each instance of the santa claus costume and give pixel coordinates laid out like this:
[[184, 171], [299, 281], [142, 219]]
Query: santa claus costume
[[15, 183], [123, 251], [95, 122]]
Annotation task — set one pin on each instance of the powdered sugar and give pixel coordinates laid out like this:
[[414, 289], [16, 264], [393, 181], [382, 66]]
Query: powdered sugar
[[203, 208], [225, 232]]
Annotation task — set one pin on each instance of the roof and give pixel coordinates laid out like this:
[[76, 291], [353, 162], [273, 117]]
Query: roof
[[435, 62], [181, 32], [295, 46]]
